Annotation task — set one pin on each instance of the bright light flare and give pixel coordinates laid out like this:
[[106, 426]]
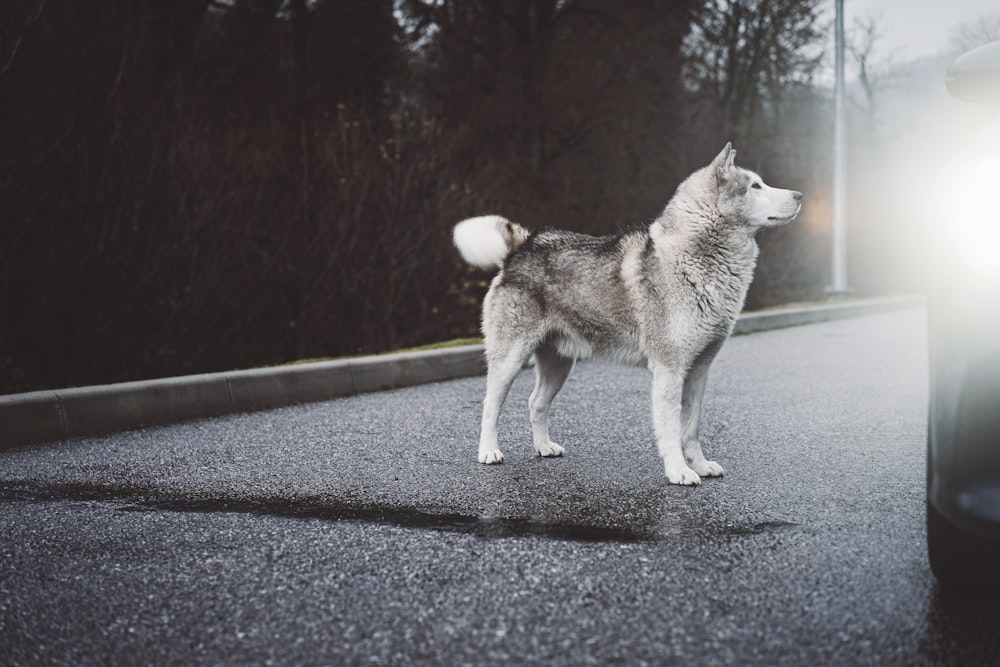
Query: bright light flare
[[969, 217]]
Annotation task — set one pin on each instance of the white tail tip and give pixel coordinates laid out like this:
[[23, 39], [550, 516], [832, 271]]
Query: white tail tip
[[481, 241]]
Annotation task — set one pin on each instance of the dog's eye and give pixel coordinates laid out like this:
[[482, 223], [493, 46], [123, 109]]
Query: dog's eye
[[755, 186]]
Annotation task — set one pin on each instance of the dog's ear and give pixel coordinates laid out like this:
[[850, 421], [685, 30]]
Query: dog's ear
[[722, 165]]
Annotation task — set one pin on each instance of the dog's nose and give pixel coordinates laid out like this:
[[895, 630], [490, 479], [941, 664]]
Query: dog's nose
[[797, 195]]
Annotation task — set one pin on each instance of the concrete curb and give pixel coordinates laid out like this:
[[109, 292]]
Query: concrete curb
[[795, 316], [46, 416]]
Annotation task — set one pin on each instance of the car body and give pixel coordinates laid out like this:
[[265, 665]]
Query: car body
[[963, 439]]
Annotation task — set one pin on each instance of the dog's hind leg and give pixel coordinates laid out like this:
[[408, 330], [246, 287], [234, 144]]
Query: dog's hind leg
[[503, 366], [551, 371], [694, 392]]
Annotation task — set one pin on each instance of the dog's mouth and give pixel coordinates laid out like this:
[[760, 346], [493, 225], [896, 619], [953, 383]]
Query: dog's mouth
[[784, 219]]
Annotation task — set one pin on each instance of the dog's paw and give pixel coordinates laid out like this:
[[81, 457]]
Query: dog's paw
[[490, 456], [708, 469], [683, 476], [550, 449]]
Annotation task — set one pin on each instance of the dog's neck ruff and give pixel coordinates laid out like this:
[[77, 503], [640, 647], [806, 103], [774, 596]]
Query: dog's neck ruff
[[714, 257], [703, 230]]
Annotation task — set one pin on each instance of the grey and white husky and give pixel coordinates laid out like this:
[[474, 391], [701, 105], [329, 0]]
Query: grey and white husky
[[666, 296]]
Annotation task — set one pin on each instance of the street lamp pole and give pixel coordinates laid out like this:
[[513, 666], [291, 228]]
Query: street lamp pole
[[838, 275]]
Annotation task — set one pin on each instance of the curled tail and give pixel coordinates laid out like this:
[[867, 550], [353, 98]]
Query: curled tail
[[486, 241]]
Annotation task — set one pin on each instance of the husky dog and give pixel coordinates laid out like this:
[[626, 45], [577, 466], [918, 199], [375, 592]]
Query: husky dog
[[666, 297]]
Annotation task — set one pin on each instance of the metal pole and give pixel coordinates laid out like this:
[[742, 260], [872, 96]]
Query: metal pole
[[838, 275]]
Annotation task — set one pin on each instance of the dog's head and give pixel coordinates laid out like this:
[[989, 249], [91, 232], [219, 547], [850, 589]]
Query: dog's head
[[743, 196]]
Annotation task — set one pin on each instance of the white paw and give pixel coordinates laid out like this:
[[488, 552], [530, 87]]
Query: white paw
[[708, 469], [550, 449], [683, 476], [490, 456]]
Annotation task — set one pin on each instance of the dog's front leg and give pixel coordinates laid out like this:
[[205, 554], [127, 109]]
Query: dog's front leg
[[668, 389], [694, 393]]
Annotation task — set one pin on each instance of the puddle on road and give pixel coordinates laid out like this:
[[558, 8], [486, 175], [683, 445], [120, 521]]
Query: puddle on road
[[145, 500], [405, 517], [130, 499]]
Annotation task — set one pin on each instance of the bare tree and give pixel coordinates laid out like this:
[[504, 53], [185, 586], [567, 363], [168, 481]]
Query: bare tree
[[563, 100], [982, 30], [876, 69], [17, 19], [745, 53]]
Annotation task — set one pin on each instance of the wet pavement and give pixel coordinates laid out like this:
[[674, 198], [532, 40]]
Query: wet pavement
[[363, 531]]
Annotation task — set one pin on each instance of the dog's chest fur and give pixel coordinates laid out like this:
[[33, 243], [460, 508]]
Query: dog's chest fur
[[718, 276], [689, 290]]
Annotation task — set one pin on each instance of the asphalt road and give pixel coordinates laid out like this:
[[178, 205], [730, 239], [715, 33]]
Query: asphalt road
[[363, 531]]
